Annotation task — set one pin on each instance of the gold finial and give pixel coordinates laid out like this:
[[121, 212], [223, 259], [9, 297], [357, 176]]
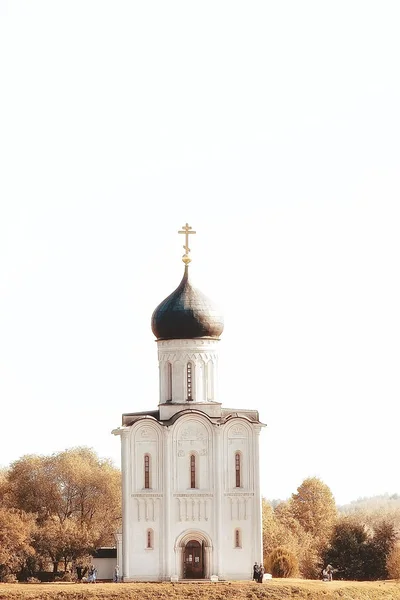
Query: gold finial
[[186, 229]]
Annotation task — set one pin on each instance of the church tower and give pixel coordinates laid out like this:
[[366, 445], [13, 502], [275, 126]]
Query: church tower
[[190, 470]]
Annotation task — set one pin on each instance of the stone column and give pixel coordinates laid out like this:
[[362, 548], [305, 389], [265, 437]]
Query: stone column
[[118, 541], [257, 520], [218, 473], [126, 493], [179, 562], [207, 559], [167, 502]]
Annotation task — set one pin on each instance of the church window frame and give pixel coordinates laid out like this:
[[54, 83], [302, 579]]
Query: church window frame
[[237, 538], [189, 381], [238, 469], [193, 471], [149, 539], [147, 471], [169, 381]]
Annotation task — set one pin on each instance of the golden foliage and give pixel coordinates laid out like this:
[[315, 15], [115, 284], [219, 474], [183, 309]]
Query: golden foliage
[[393, 563], [16, 530], [282, 563], [75, 497]]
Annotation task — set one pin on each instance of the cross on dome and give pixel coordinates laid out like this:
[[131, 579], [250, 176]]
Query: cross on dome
[[186, 229]]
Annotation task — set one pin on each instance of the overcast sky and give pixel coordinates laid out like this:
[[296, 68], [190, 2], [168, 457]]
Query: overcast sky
[[273, 128]]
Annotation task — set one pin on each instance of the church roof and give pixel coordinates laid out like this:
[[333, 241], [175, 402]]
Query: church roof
[[186, 314], [225, 415], [105, 552]]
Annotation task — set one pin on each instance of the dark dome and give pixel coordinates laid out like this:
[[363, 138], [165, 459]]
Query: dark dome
[[186, 313]]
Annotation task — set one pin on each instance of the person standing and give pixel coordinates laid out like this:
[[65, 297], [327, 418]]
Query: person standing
[[116, 574], [255, 572], [261, 572]]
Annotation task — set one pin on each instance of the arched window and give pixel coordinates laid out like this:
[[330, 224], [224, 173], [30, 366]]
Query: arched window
[[147, 471], [189, 381], [238, 474], [169, 382], [192, 471], [237, 539], [149, 539]]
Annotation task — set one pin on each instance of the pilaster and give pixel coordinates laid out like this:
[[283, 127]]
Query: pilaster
[[218, 472], [167, 503], [258, 543], [125, 452]]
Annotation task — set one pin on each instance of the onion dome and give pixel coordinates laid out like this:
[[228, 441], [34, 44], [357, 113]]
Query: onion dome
[[186, 313]]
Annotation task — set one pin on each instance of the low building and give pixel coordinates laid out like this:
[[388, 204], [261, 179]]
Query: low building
[[105, 560]]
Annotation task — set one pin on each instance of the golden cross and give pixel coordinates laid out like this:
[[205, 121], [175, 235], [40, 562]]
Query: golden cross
[[186, 229]]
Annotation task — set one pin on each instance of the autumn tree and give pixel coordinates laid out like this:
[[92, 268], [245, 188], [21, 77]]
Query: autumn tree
[[380, 544], [347, 549], [360, 552], [302, 525], [314, 508], [393, 563], [16, 532], [75, 497]]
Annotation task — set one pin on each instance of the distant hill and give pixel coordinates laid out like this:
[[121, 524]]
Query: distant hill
[[384, 503]]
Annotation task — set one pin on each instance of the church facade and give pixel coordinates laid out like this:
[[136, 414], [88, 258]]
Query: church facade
[[190, 469]]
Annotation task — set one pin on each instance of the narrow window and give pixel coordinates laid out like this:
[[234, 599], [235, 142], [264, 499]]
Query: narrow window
[[237, 469], [169, 382], [147, 471], [192, 471], [189, 383], [238, 543], [149, 539]]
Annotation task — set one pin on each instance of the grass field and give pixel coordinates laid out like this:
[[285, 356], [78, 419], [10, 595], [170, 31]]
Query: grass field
[[276, 589]]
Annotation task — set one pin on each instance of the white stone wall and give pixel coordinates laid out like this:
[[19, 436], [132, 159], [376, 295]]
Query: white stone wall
[[105, 567], [174, 512], [173, 357]]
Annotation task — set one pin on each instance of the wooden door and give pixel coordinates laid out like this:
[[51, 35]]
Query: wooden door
[[193, 561]]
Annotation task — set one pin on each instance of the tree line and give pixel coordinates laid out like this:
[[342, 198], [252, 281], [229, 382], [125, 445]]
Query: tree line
[[56, 510], [307, 532]]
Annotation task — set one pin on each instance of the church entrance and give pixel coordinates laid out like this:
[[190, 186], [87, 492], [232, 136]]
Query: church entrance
[[193, 560]]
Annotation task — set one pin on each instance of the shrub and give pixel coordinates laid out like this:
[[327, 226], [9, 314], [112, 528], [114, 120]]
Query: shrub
[[9, 578], [66, 577], [33, 580], [282, 563]]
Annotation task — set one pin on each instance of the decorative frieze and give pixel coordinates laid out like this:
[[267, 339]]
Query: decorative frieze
[[239, 507], [146, 507], [193, 507]]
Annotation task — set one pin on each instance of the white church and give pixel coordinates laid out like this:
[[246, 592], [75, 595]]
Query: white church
[[191, 497]]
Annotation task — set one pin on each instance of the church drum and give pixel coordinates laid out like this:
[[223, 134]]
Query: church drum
[[193, 561]]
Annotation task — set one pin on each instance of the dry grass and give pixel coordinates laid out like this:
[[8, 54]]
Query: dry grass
[[276, 589]]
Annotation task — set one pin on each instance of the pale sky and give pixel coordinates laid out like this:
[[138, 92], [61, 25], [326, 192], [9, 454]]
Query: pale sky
[[273, 128]]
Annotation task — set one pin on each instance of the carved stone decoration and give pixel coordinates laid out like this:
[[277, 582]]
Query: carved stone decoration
[[237, 431], [181, 453], [147, 433], [192, 508], [193, 433], [146, 508]]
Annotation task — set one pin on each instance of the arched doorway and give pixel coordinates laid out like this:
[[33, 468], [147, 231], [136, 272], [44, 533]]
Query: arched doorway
[[198, 544], [193, 560]]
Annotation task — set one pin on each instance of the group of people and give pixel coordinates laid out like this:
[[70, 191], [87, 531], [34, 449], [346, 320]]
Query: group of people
[[92, 574], [327, 573], [258, 572]]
